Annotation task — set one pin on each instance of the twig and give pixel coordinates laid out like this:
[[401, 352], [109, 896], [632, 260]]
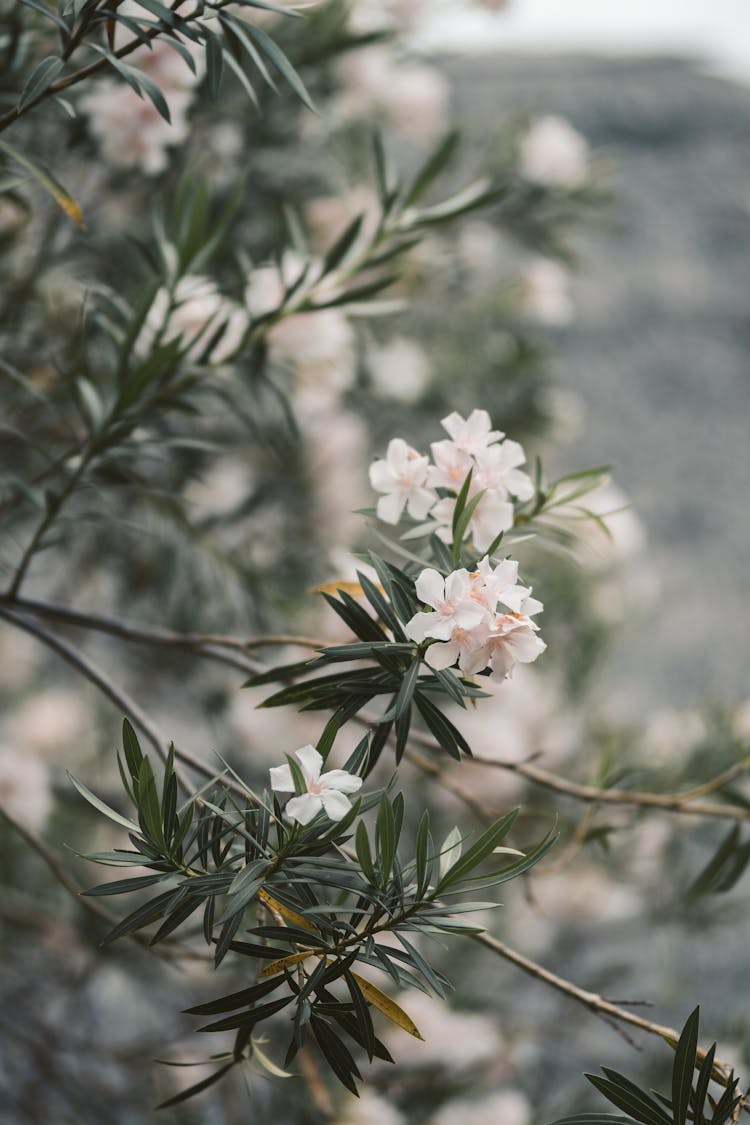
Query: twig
[[122, 701], [591, 1000], [147, 634], [101, 913], [672, 802]]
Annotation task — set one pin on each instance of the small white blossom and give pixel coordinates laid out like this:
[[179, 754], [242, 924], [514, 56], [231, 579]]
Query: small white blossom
[[402, 476], [554, 153], [453, 606], [324, 791], [25, 790], [193, 313], [545, 293], [473, 433], [497, 471], [513, 640]]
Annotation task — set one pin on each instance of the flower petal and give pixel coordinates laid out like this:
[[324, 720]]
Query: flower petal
[[304, 809], [310, 761], [335, 804], [442, 655], [281, 779], [341, 780], [389, 508], [431, 587]]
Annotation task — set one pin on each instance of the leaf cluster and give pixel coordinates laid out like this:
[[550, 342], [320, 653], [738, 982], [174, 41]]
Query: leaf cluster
[[690, 1099], [306, 910]]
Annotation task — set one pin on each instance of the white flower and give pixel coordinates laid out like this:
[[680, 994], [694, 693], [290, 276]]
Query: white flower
[[25, 790], [492, 515], [452, 602], [129, 129], [193, 313], [490, 586], [554, 153], [452, 465], [413, 96], [513, 640], [399, 370], [497, 471], [323, 792], [467, 646], [402, 476], [545, 293], [473, 433], [467, 625]]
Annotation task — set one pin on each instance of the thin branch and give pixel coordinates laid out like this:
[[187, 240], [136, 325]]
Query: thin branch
[[672, 802], [591, 1000], [147, 634], [125, 704], [101, 913]]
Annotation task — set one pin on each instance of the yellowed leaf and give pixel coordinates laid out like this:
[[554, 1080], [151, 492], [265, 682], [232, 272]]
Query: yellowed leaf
[[292, 916], [286, 962], [387, 1006], [336, 584]]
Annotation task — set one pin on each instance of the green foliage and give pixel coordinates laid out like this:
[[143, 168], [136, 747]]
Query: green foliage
[[690, 1097]]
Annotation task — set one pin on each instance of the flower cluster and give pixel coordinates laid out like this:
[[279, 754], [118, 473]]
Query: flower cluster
[[482, 619], [408, 480]]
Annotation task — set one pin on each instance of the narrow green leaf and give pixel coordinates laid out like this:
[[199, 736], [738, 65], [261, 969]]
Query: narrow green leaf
[[684, 1065], [103, 808], [61, 195], [40, 80], [432, 167], [198, 1087]]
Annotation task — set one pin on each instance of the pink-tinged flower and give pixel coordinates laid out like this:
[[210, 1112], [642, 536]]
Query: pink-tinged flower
[[467, 646], [453, 605], [324, 791], [490, 586], [497, 471], [493, 514], [452, 465], [513, 640], [402, 476], [473, 433]]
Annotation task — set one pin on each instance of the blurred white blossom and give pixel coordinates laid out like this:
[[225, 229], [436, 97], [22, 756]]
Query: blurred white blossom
[[399, 369], [369, 1109], [129, 129], [193, 312], [413, 96], [505, 1107], [545, 293], [48, 722], [25, 790], [552, 152], [454, 1040]]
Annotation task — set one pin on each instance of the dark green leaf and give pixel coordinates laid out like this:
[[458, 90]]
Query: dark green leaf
[[684, 1065], [625, 1096], [198, 1087]]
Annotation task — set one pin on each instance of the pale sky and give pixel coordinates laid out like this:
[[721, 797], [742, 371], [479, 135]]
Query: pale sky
[[717, 32]]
